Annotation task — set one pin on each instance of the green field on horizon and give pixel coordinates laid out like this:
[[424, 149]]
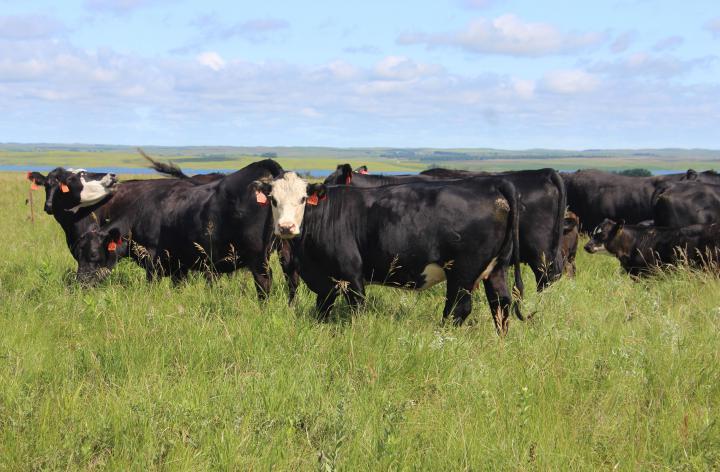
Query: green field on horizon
[[328, 159]]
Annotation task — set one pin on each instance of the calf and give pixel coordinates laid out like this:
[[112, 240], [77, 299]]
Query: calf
[[410, 236], [569, 242], [172, 226], [642, 250]]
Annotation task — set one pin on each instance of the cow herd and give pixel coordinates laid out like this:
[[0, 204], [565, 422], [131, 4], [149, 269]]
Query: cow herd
[[413, 231]]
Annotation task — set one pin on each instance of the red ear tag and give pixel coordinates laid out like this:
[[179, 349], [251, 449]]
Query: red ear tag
[[348, 180], [261, 198], [312, 199], [64, 188], [363, 172], [112, 246]]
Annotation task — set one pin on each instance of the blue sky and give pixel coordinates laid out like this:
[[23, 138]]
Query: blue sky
[[449, 73]]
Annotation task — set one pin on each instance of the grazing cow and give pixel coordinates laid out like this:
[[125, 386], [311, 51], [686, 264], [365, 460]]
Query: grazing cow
[[569, 242], [73, 196], [594, 195], [642, 250], [172, 226], [410, 236], [542, 195], [686, 203]]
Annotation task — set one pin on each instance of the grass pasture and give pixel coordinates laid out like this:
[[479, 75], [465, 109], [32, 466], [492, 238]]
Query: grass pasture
[[610, 374]]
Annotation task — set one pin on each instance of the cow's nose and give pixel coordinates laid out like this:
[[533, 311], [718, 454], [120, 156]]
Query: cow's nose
[[48, 208], [590, 247], [287, 228]]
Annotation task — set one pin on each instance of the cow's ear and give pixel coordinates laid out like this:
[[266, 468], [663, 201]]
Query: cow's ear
[[261, 189], [36, 177], [319, 190], [362, 170], [691, 174], [112, 240], [344, 174]]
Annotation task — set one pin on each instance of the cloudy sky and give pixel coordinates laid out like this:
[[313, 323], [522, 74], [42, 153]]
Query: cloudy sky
[[510, 74]]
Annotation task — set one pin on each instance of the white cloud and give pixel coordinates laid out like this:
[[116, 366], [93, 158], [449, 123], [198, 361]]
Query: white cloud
[[23, 27], [714, 27], [476, 4], [508, 35], [118, 6], [643, 64], [212, 60], [310, 112], [668, 43], [524, 88], [570, 81], [623, 42], [403, 68]]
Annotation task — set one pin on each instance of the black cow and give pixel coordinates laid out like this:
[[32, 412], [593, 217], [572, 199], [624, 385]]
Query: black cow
[[172, 226], [686, 203], [73, 198], [412, 235], [595, 195], [642, 250], [542, 195], [542, 217]]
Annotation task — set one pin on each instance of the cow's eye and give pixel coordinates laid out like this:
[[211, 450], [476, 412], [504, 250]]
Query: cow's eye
[[273, 201], [303, 199]]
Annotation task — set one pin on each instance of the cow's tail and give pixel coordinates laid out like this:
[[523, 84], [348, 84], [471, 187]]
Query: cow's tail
[[559, 221], [167, 168], [511, 244]]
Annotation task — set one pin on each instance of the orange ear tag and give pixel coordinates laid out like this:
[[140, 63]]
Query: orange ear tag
[[261, 198], [64, 188], [312, 199], [112, 246], [33, 186], [363, 172]]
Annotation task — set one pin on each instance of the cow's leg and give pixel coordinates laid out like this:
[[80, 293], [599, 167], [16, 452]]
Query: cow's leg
[[325, 301], [355, 293], [498, 297], [458, 301], [262, 275], [289, 266], [178, 275]]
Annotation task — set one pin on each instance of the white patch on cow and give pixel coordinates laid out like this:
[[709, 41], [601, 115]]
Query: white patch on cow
[[601, 249], [289, 194], [434, 274], [94, 191]]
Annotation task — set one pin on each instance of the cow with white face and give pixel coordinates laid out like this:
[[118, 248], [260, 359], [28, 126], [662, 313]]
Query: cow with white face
[[412, 235], [288, 196]]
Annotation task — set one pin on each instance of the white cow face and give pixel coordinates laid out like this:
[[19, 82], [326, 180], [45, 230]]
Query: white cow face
[[288, 196]]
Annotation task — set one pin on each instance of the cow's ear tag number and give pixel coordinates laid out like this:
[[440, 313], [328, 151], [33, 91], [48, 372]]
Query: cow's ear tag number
[[261, 198], [112, 246], [312, 199]]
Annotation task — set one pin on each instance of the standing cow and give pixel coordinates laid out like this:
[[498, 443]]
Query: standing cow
[[172, 226], [413, 235], [542, 196]]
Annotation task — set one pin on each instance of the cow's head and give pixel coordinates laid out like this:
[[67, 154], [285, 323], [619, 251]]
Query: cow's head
[[288, 195], [96, 253], [71, 189], [603, 235]]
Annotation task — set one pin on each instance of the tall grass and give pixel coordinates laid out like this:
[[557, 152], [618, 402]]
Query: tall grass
[[610, 373]]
